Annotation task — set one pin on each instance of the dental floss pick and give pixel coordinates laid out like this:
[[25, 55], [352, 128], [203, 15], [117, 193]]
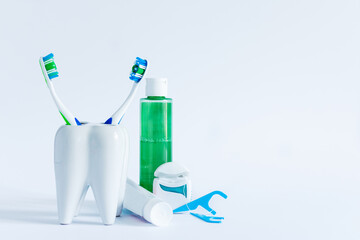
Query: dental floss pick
[[201, 201]]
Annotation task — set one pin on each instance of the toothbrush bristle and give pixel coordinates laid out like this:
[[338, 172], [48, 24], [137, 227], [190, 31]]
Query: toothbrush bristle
[[47, 57], [138, 69], [50, 66]]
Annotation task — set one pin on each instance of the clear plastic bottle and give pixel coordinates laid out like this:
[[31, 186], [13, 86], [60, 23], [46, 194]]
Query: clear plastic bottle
[[155, 130]]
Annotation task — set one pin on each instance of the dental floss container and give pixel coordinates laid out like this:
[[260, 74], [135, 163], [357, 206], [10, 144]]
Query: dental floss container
[[172, 184]]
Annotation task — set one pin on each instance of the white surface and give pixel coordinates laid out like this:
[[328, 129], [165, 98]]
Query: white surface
[[266, 109], [94, 155]]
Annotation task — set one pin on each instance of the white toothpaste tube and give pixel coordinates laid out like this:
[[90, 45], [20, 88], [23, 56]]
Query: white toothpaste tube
[[145, 204]]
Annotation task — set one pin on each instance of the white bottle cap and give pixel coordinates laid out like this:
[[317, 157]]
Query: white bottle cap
[[158, 212], [156, 87]]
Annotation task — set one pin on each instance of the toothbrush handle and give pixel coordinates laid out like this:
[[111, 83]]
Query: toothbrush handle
[[117, 116], [64, 112]]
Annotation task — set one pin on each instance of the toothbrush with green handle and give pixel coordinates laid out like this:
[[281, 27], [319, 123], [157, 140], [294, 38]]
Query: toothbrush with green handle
[[50, 72], [136, 74]]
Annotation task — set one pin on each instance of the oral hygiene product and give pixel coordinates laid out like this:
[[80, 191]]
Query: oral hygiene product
[[201, 201], [155, 130], [209, 219], [172, 184], [50, 72], [136, 74], [145, 204]]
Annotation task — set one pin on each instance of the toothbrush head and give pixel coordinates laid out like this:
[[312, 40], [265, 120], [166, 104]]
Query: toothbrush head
[[138, 69], [48, 67]]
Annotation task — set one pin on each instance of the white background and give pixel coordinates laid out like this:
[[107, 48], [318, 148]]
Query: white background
[[266, 109]]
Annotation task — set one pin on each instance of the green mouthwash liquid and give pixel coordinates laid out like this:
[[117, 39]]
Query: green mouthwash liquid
[[155, 130]]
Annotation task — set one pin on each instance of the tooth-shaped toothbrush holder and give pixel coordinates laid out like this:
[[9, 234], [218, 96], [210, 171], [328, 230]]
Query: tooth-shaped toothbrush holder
[[91, 155]]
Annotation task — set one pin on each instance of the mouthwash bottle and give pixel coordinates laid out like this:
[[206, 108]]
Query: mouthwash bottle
[[155, 130]]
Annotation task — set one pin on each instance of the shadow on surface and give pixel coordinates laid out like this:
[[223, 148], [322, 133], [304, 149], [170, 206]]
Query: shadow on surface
[[28, 210], [129, 219], [44, 211]]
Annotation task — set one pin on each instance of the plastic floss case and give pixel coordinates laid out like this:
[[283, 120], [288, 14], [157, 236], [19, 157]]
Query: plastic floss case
[[172, 184]]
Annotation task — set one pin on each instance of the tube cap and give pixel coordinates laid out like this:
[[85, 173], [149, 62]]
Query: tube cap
[[156, 87], [158, 212]]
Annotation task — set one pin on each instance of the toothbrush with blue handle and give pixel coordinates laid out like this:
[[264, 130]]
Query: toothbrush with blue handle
[[50, 72], [136, 74]]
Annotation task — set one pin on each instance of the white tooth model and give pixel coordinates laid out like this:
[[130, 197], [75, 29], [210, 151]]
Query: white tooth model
[[94, 155]]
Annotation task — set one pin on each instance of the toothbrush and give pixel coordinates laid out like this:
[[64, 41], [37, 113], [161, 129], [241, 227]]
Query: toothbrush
[[136, 74], [50, 72]]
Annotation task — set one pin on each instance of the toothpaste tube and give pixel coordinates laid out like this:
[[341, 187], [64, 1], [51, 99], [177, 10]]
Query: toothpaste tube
[[145, 204]]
